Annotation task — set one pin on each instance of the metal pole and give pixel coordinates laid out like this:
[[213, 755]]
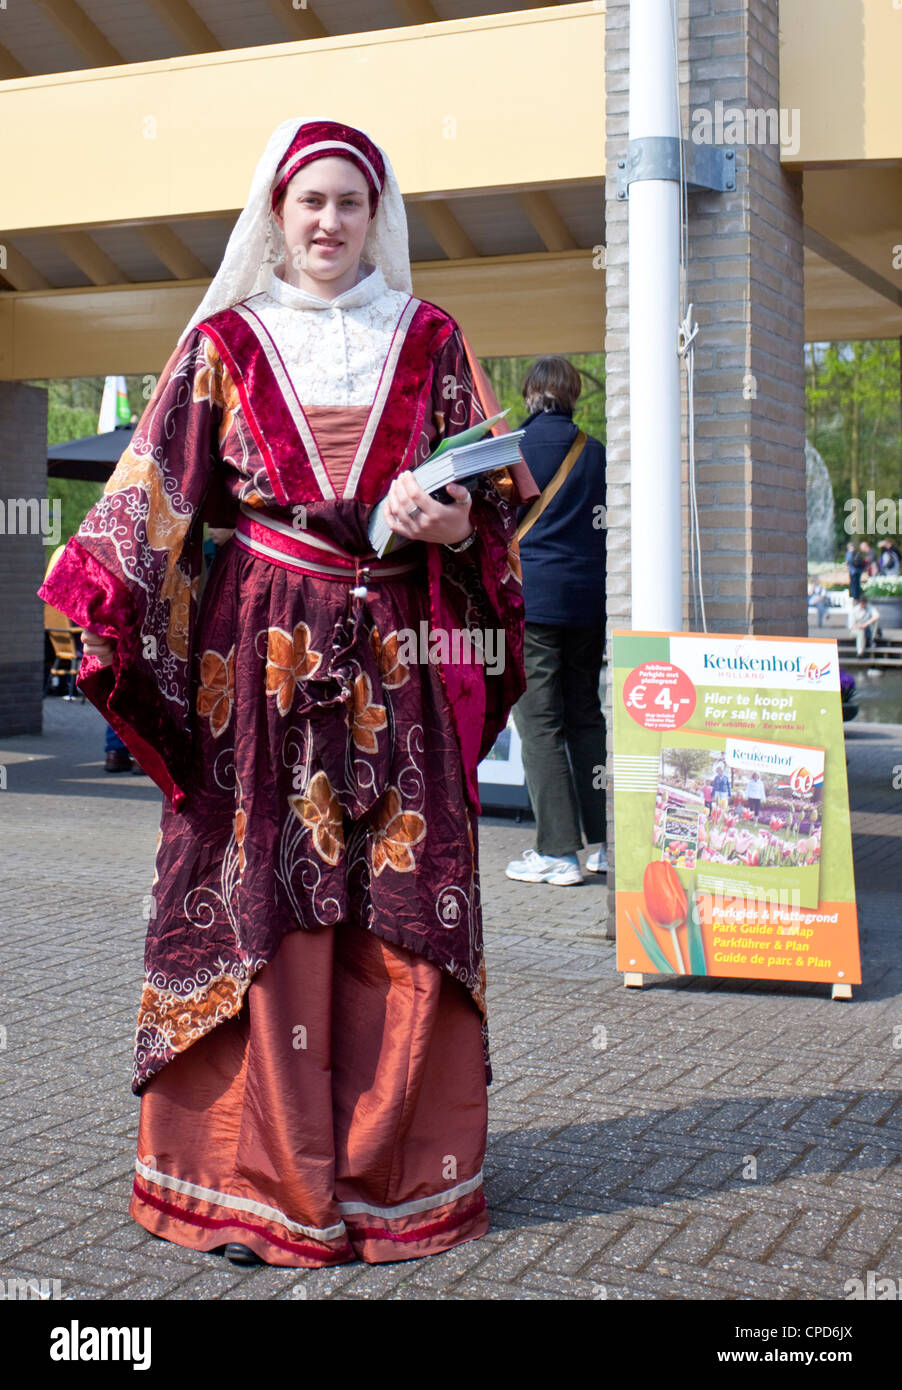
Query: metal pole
[[654, 318]]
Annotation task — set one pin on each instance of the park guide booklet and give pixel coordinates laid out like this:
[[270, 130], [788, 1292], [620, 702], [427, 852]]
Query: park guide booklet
[[464, 456], [738, 843], [733, 842]]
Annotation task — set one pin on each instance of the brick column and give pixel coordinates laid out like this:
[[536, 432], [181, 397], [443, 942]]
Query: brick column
[[23, 557], [745, 281]]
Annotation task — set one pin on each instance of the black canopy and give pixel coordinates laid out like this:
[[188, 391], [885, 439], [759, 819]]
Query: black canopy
[[92, 458]]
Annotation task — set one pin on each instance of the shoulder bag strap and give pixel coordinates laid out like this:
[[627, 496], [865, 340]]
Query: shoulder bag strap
[[553, 487]]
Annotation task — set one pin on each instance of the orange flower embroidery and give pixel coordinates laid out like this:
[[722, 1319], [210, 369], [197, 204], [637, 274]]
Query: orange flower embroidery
[[366, 718], [395, 831], [213, 383], [392, 669], [320, 811], [240, 827], [289, 660], [216, 693]]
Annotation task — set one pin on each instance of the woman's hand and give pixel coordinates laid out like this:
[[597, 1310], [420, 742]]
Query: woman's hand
[[92, 644], [446, 523]]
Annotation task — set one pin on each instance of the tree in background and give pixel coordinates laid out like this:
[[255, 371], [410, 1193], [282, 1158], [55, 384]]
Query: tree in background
[[73, 407], [507, 375], [688, 762], [853, 420]]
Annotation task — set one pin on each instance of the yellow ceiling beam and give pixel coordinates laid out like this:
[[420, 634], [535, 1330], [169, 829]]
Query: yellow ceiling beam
[[83, 250], [547, 221], [71, 20], [518, 306], [172, 252], [9, 66], [159, 125], [414, 11], [840, 308], [839, 69], [300, 23], [438, 218], [19, 272], [507, 305], [183, 21]]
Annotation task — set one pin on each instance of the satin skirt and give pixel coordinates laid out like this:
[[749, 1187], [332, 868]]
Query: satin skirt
[[342, 1114]]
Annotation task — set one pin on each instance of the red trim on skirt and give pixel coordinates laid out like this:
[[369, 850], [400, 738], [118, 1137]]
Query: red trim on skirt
[[342, 1114]]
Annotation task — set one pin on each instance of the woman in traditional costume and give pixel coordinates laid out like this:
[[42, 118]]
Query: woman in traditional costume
[[311, 1049]]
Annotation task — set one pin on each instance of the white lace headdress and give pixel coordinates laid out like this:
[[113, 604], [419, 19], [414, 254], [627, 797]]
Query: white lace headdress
[[257, 242]]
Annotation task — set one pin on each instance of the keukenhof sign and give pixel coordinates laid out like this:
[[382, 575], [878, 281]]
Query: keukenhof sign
[[731, 810]]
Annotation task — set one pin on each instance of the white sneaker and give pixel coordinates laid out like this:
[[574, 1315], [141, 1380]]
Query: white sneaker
[[545, 868], [597, 863]]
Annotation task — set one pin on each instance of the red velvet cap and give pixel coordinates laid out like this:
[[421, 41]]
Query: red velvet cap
[[322, 139]]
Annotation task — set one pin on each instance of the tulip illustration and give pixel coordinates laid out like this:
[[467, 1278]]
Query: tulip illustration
[[666, 902]]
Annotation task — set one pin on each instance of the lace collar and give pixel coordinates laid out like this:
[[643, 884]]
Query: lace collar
[[369, 288]]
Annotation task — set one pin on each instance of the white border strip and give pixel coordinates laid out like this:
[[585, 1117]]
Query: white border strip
[[411, 1208], [376, 409], [271, 553], [308, 537], [326, 145], [225, 1199], [266, 341]]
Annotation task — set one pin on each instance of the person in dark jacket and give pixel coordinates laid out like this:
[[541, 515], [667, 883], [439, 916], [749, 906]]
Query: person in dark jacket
[[559, 717]]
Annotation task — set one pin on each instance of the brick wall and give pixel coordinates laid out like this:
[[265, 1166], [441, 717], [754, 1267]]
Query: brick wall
[[23, 558]]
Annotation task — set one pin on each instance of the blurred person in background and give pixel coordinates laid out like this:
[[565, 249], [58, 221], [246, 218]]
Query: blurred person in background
[[562, 553], [890, 561]]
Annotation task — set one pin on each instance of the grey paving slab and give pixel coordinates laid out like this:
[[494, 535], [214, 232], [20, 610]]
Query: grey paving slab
[[613, 1172]]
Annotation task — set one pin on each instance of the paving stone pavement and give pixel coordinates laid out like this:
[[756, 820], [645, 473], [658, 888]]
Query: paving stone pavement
[[730, 1141]]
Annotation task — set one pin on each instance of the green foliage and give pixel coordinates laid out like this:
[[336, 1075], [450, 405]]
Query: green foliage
[[688, 762], [73, 406], [697, 963], [853, 419], [507, 375]]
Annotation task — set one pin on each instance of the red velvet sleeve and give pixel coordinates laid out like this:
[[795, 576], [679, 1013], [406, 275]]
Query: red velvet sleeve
[[479, 588], [134, 569]]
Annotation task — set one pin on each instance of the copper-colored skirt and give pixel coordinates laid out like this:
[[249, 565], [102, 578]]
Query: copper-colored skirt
[[341, 1115]]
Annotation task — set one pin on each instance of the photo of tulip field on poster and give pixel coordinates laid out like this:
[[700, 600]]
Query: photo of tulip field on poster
[[731, 812]]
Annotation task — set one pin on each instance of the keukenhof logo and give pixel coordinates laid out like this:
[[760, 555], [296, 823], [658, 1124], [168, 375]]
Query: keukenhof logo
[[812, 673]]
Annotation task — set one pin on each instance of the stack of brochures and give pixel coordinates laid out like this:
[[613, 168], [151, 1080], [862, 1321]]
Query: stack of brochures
[[463, 456]]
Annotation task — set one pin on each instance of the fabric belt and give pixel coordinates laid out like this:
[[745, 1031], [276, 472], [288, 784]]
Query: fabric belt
[[307, 553]]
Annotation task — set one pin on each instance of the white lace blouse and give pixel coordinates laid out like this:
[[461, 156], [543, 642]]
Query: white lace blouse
[[333, 349]]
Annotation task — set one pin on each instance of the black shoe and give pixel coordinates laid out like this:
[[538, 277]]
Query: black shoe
[[118, 760], [242, 1255]]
